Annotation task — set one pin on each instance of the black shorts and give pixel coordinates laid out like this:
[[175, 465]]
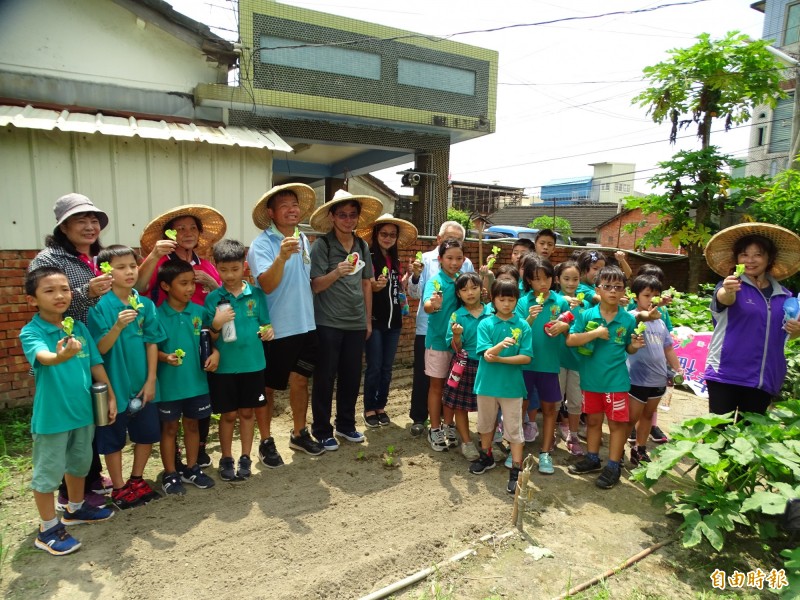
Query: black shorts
[[642, 393], [295, 353], [232, 391]]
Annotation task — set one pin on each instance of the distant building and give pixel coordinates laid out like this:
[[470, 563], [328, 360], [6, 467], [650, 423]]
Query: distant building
[[583, 217], [612, 234], [483, 198], [609, 184]]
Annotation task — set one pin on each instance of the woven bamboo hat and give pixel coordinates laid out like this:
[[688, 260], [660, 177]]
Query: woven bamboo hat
[[719, 250], [305, 196], [407, 232], [370, 209], [213, 222]]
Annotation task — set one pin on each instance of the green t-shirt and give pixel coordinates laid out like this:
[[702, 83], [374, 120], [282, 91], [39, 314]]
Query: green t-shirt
[[569, 357], [246, 354], [63, 399], [183, 331], [546, 349], [606, 370], [469, 337], [439, 322], [589, 290], [502, 380], [126, 360]]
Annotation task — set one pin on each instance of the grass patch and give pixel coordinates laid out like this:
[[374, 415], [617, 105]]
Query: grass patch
[[15, 445]]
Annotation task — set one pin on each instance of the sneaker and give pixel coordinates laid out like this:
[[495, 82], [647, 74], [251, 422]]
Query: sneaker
[[329, 444], [574, 445], [305, 443], [509, 462], [546, 464], [227, 471], [203, 459], [513, 476], [483, 464], [372, 421], [470, 452], [268, 454], [417, 429], [86, 514], [585, 465], [658, 436], [56, 541], [384, 419], [531, 431], [608, 478], [451, 435], [351, 436], [437, 440], [244, 467], [102, 486], [90, 498], [171, 484], [125, 497], [639, 456], [196, 477], [563, 431], [143, 490], [632, 436]]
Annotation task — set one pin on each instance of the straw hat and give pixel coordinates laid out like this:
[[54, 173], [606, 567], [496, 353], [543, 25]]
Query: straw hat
[[214, 227], [370, 209], [719, 250], [407, 232], [305, 196]]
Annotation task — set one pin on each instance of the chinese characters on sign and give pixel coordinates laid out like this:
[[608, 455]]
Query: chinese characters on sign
[[775, 579]]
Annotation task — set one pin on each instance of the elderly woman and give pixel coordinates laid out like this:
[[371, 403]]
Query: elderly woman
[[746, 364], [73, 248], [388, 301]]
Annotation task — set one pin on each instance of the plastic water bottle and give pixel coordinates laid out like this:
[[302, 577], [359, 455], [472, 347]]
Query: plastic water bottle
[[564, 317], [457, 370], [791, 309], [229, 328]]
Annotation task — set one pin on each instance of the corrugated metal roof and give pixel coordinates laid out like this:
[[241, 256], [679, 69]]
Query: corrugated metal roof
[[569, 180], [28, 117]]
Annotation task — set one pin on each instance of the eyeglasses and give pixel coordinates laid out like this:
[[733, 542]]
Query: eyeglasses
[[612, 288], [346, 216], [388, 235]]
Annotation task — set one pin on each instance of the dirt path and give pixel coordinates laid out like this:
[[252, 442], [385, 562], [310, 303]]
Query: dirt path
[[340, 526]]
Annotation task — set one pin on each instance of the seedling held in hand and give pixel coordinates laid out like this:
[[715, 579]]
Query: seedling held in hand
[[171, 234], [656, 300], [106, 268], [264, 329], [493, 257], [385, 271], [418, 256], [296, 232], [179, 354], [68, 324], [580, 297], [437, 287], [739, 270], [133, 300], [515, 333], [640, 328], [540, 298]]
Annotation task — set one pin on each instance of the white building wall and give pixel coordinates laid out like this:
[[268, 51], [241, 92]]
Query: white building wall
[[131, 179], [98, 41]]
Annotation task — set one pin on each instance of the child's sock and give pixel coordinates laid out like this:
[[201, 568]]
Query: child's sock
[[49, 524], [75, 506], [593, 456], [136, 477], [614, 464]]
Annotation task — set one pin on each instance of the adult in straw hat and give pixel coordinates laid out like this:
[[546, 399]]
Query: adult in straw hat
[[280, 260], [746, 364], [385, 238], [196, 228], [341, 278]]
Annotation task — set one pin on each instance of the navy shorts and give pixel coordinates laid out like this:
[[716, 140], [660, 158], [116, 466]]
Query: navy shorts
[[196, 407], [643, 393], [232, 391], [142, 427], [545, 385]]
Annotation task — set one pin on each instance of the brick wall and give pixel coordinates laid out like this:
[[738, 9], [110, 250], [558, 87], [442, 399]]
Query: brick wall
[[16, 386], [612, 234]]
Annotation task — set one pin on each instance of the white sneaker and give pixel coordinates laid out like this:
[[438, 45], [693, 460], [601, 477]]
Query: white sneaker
[[563, 431], [451, 433], [470, 452], [531, 431], [436, 439]]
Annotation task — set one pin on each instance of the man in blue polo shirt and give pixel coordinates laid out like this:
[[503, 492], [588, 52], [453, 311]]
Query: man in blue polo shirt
[[279, 259]]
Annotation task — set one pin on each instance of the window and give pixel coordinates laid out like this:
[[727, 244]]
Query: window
[[622, 187], [781, 132], [435, 77], [605, 187], [760, 135], [328, 59], [792, 33]]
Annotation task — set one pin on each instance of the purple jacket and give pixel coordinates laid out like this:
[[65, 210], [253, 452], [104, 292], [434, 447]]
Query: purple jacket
[[747, 345]]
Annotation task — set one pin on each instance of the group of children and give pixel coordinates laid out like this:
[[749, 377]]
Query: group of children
[[569, 335], [548, 335]]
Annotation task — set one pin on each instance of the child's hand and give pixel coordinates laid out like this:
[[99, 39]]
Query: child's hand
[[490, 357], [212, 362], [172, 360], [148, 392], [379, 283], [457, 329], [557, 328], [732, 284], [651, 314], [436, 301], [534, 310], [266, 333], [68, 347], [572, 301], [620, 256], [125, 318], [289, 246], [601, 333], [224, 315], [508, 342], [637, 341]]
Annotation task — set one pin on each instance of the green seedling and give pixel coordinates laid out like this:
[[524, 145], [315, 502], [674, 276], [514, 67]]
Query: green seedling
[[656, 300], [389, 461], [179, 354], [631, 295], [68, 324], [360, 455], [540, 298], [385, 271], [418, 256], [592, 325], [106, 268], [264, 329], [390, 450], [453, 318], [580, 297], [437, 287], [171, 234], [133, 300], [515, 333], [296, 232], [640, 328], [739, 270]]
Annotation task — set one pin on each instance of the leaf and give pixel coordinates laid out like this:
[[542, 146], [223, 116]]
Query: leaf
[[692, 534], [171, 234], [68, 324], [766, 502], [741, 451], [705, 454], [106, 267]]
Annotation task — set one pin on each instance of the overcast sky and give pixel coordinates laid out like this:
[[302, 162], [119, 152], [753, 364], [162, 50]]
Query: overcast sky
[[564, 89]]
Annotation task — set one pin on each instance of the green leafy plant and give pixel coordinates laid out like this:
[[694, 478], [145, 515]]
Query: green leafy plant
[[559, 224], [459, 216], [360, 455], [743, 473], [692, 309]]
